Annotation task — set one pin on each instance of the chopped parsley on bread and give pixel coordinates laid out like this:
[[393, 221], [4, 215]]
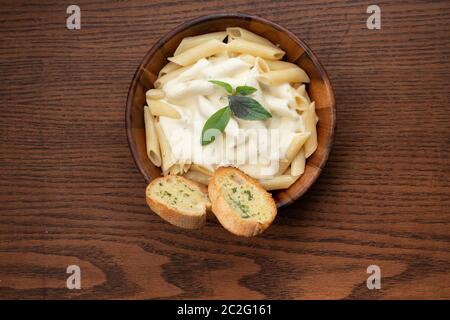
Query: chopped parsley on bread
[[178, 200], [240, 203]]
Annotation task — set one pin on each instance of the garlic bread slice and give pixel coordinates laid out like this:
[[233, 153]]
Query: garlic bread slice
[[178, 200], [240, 203]]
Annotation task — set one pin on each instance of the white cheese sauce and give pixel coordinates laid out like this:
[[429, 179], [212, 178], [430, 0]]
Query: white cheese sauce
[[196, 100]]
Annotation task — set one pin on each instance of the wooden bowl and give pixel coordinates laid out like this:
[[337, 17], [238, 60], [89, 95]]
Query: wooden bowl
[[297, 51]]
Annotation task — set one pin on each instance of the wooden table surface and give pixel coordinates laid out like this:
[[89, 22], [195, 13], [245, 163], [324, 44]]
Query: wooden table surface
[[70, 193]]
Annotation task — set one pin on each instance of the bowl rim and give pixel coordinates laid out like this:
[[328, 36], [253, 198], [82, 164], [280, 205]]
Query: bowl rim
[[181, 27]]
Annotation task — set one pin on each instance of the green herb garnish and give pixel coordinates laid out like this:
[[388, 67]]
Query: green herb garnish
[[224, 85], [247, 108], [249, 194], [215, 125], [239, 104], [245, 90]]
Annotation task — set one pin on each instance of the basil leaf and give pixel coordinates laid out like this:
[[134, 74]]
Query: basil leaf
[[247, 108], [245, 90], [215, 125], [224, 85]]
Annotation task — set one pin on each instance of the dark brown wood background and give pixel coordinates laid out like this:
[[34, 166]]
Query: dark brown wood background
[[71, 194]]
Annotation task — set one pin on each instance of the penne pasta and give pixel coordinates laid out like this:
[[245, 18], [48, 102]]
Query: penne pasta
[[162, 109], [239, 33], [179, 169], [202, 169], [247, 58], [301, 103], [260, 171], [151, 139], [203, 50], [190, 42], [298, 164], [309, 118], [169, 76], [167, 159], [186, 167], [223, 55], [168, 68], [198, 177], [287, 171], [283, 76], [176, 169], [261, 65], [154, 94], [280, 65], [296, 144], [255, 49], [301, 90], [278, 182]]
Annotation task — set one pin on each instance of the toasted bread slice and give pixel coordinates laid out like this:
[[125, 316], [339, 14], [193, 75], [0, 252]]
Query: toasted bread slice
[[240, 203], [178, 200]]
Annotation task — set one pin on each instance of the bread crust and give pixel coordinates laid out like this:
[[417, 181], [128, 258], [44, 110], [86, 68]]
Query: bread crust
[[180, 218], [228, 216]]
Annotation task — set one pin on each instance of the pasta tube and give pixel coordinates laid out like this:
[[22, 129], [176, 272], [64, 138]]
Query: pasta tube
[[298, 164], [203, 50], [239, 33], [280, 65], [278, 182], [301, 90], [247, 58], [201, 169], [166, 151], [176, 169], [190, 42], [162, 109], [261, 65], [283, 76], [154, 94], [296, 144], [255, 49], [168, 68], [309, 118], [151, 139], [198, 177], [179, 168], [169, 76], [301, 102]]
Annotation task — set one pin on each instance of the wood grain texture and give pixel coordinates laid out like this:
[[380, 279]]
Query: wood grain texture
[[71, 194]]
